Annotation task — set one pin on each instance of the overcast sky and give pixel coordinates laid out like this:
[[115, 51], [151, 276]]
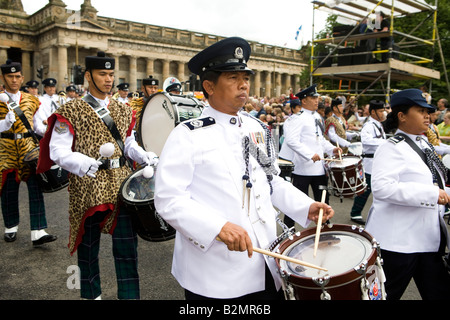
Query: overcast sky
[[272, 22]]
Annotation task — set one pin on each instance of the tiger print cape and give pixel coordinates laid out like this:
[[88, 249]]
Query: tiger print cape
[[87, 195], [13, 152]]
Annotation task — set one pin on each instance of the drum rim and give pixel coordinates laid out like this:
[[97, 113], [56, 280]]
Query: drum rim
[[124, 183], [30, 160], [347, 277]]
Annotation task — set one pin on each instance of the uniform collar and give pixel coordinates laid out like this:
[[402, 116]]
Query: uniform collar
[[103, 103], [14, 96], [308, 111], [416, 138], [371, 119], [225, 119]]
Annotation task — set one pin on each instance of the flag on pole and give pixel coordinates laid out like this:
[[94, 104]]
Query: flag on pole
[[298, 32]]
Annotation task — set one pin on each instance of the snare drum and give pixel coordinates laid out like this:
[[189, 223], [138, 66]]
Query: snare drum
[[162, 113], [286, 167], [351, 256], [50, 181], [137, 195], [347, 176]]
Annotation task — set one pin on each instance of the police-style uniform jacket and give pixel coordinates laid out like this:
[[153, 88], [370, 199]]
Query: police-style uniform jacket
[[49, 104], [199, 188], [405, 216], [372, 136], [305, 138]]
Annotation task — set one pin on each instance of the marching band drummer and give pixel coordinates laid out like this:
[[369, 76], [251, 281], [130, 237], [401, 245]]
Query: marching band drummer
[[71, 92], [203, 168], [372, 136], [305, 138], [336, 127], [76, 132], [409, 197], [124, 89], [15, 143], [49, 104], [149, 88]]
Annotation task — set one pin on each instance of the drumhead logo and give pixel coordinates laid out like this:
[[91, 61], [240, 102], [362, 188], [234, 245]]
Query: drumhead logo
[[374, 291]]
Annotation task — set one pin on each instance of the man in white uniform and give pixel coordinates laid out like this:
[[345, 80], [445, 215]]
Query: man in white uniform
[[217, 184], [372, 135], [305, 138], [49, 104]]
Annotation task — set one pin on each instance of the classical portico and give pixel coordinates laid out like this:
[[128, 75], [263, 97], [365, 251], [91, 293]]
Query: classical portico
[[58, 39]]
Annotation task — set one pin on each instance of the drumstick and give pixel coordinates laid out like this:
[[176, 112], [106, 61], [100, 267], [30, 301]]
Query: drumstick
[[282, 257], [340, 155], [319, 224]]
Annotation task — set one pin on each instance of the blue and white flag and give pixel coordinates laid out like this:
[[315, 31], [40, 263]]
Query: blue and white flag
[[298, 32]]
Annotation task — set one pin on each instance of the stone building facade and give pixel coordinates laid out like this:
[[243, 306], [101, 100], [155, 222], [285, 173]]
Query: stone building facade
[[57, 39]]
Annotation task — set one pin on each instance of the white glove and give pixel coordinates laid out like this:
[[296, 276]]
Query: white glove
[[150, 158], [11, 117], [92, 166], [7, 123]]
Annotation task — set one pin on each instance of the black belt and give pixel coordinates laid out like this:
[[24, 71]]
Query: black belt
[[112, 163], [15, 136], [367, 155]]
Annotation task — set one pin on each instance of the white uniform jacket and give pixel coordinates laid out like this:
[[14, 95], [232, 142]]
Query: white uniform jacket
[[199, 188], [404, 216], [286, 152], [306, 139], [372, 136], [45, 111]]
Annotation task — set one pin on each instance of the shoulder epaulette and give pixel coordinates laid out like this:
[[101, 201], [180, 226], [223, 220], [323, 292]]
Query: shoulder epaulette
[[396, 139], [199, 123]]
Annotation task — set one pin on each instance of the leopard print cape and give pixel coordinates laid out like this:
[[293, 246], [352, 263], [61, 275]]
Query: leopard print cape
[[88, 195], [13, 152], [340, 129]]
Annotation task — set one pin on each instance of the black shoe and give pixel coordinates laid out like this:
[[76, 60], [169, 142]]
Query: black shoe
[[44, 239], [11, 236], [359, 220]]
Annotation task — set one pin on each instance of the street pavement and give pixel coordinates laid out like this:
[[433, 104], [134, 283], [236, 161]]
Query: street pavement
[[46, 272]]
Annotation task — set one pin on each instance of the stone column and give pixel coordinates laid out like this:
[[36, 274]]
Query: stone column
[[61, 63], [26, 66], [3, 54], [257, 84], [181, 69], [150, 67], [133, 74], [268, 91], [166, 70], [277, 84]]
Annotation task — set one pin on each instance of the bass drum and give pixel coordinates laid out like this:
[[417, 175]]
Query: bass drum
[[162, 113], [137, 195], [50, 181]]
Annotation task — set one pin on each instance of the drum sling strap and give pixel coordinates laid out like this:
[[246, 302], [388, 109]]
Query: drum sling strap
[[16, 108], [423, 156], [103, 113]]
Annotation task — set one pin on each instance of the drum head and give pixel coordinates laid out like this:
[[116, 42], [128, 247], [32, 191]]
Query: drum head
[[137, 188], [160, 116], [347, 161], [158, 120], [338, 251]]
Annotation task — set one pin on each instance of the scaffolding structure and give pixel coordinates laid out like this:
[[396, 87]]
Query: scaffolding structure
[[349, 62]]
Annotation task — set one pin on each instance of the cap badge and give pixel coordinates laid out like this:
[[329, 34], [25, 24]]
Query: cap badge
[[13, 69], [108, 65], [239, 53]]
